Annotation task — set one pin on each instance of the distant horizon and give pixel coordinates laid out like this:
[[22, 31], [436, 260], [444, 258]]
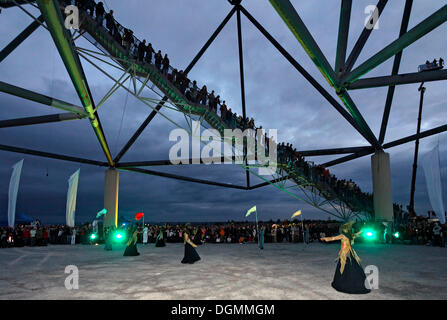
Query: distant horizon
[[4, 223]]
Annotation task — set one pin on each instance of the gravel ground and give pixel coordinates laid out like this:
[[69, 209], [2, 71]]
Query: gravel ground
[[226, 271]]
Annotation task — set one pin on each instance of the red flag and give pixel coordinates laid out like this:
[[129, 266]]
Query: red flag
[[139, 215]]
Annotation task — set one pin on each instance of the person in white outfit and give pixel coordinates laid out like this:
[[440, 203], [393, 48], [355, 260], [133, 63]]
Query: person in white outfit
[[145, 235]]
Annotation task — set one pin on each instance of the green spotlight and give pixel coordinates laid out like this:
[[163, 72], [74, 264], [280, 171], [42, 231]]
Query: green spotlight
[[93, 236], [396, 235], [119, 236]]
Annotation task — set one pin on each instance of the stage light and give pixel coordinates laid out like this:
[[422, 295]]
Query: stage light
[[396, 235], [119, 236], [369, 234], [93, 236]]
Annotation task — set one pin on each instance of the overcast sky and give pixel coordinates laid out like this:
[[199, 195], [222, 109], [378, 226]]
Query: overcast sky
[[277, 97]]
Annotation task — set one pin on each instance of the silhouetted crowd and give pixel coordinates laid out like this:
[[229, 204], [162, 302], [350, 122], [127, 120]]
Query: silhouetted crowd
[[420, 231], [435, 64]]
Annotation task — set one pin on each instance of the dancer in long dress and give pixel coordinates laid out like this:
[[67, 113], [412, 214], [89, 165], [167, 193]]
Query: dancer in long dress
[[160, 242], [191, 254], [349, 276], [131, 249]]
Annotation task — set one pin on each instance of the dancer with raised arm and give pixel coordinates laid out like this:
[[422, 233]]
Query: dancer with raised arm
[[160, 242], [191, 254], [349, 276]]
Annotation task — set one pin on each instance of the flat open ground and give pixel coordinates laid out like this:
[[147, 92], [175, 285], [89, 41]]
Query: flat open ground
[[226, 271]]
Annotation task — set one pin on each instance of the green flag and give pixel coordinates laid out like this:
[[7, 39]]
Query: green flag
[[251, 211]]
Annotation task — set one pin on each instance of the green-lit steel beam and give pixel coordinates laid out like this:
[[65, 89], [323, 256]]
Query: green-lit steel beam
[[13, 3], [358, 118], [288, 13], [343, 33], [39, 120], [400, 79], [52, 155], [20, 38], [62, 38], [40, 98], [429, 24]]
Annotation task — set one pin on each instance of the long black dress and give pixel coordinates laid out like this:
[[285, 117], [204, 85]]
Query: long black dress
[[191, 254], [353, 278]]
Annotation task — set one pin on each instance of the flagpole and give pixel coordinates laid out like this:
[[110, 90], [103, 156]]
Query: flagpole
[[257, 230], [302, 225]]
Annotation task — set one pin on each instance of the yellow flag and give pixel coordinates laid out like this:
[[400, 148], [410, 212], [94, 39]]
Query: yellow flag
[[251, 211], [296, 214]]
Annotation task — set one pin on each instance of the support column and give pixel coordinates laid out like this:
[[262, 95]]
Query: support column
[[111, 197], [381, 174]]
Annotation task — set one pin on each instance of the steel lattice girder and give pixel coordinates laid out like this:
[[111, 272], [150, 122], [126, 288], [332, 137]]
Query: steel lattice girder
[[39, 120]]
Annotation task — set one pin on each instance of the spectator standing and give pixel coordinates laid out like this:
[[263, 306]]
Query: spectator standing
[[165, 63], [90, 6], [149, 52], [141, 50], [158, 60], [223, 110], [110, 23]]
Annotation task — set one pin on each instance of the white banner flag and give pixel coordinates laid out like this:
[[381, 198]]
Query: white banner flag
[[71, 198], [13, 190], [430, 163]]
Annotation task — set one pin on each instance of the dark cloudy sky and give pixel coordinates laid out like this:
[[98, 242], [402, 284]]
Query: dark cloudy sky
[[277, 97]]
